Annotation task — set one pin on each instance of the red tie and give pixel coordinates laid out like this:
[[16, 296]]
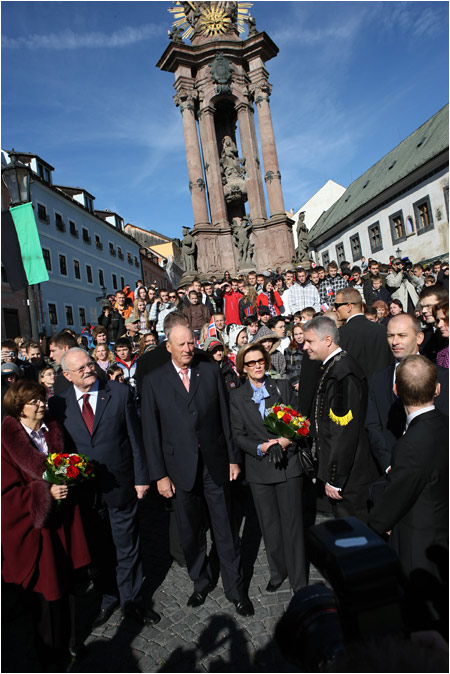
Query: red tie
[[87, 413], [185, 378]]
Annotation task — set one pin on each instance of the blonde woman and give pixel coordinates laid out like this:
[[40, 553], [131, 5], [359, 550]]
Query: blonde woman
[[103, 356], [141, 313]]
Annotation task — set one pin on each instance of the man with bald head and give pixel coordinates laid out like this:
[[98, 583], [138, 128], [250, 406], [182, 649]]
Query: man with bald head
[[414, 505], [191, 457], [385, 419]]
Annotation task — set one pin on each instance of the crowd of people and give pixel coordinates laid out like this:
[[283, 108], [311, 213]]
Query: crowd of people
[[172, 387]]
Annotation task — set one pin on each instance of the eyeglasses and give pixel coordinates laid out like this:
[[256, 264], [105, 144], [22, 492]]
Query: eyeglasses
[[253, 363], [341, 304], [36, 403], [80, 370], [172, 297]]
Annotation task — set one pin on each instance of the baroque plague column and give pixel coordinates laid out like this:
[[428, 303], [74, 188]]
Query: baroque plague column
[[219, 80]]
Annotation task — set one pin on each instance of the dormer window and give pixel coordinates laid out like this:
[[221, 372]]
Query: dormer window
[[89, 203], [43, 172]]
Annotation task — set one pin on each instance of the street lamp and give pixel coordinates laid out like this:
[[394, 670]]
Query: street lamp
[[398, 252], [17, 178]]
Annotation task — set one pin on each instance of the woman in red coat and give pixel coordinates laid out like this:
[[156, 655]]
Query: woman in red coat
[[269, 298], [42, 544]]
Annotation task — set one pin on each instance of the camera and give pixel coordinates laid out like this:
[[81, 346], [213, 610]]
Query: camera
[[368, 601]]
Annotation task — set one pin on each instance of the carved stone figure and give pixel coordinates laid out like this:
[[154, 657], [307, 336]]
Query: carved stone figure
[[233, 172], [241, 230], [221, 72], [188, 250], [302, 238]]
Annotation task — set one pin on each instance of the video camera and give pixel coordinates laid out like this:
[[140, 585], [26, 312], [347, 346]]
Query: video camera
[[369, 598]]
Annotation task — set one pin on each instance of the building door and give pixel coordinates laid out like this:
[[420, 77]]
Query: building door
[[11, 322]]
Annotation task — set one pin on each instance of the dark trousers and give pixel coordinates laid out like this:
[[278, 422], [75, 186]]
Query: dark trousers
[[129, 573], [354, 502], [192, 524], [280, 516]]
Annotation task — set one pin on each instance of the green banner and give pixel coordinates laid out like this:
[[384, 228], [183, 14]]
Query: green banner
[[30, 245]]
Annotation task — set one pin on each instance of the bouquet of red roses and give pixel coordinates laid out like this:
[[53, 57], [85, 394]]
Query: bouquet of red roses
[[286, 422], [67, 468]]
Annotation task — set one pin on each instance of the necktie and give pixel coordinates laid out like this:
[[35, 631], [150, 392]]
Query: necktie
[[185, 378], [87, 413]]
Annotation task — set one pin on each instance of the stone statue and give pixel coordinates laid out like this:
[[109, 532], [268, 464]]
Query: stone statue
[[241, 230], [232, 169], [302, 238], [188, 250], [251, 26]]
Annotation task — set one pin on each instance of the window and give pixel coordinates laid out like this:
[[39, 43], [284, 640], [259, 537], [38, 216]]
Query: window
[[376, 242], [409, 226], [86, 237], [356, 247], [69, 315], [325, 259], [136, 261], [62, 265], [423, 215], [47, 259], [42, 213], [397, 227], [73, 229], [122, 281], [119, 253], [59, 222], [98, 243], [340, 254], [101, 278], [89, 203], [82, 314], [89, 273], [114, 281], [52, 314], [111, 249], [43, 172], [130, 261], [446, 199], [76, 269]]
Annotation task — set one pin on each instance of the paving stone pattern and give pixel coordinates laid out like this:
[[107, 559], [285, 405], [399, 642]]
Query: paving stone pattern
[[211, 638]]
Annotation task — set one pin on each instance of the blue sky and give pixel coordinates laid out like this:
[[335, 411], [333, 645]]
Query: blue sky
[[80, 89]]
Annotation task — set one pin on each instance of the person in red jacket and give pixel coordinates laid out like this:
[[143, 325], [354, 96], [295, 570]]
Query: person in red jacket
[[269, 298], [231, 297]]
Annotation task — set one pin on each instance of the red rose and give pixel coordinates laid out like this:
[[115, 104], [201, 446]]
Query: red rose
[[72, 472], [286, 418], [276, 409], [57, 461], [303, 431], [294, 413], [74, 459], [88, 469]]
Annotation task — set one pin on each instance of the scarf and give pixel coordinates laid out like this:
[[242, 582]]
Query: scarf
[[259, 395]]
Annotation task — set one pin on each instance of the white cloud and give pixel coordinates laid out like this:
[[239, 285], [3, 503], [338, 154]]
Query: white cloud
[[69, 40]]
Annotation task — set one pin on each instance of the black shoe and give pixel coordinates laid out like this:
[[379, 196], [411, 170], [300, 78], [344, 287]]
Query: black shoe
[[104, 615], [273, 587], [78, 652], [142, 615], [198, 598], [244, 607]]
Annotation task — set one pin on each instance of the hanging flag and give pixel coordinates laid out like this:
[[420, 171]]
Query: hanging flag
[[30, 245], [11, 255], [212, 330]]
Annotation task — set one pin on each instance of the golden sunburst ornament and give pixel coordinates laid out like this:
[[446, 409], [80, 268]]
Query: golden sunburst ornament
[[209, 20]]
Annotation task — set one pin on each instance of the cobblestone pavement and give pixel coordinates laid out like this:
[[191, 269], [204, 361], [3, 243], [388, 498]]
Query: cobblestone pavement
[[211, 638]]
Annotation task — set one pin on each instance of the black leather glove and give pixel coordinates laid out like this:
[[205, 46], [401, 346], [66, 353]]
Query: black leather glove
[[275, 453]]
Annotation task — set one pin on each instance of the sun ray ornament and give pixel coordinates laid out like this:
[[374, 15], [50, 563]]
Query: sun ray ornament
[[209, 18]]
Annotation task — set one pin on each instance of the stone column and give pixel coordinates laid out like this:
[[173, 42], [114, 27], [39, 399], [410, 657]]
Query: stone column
[[211, 160], [197, 186], [255, 189], [272, 176]]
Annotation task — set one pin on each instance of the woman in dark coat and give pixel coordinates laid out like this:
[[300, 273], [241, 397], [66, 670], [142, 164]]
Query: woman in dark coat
[[276, 487], [42, 544]]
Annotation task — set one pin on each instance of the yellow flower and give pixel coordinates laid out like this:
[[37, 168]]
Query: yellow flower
[[280, 414]]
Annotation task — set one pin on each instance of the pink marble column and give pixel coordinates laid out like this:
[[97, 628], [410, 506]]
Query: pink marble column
[[253, 179], [197, 185], [217, 203], [272, 174]]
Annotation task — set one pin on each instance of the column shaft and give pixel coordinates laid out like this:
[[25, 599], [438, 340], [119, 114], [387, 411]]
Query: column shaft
[[194, 164], [255, 189], [217, 203], [269, 152]]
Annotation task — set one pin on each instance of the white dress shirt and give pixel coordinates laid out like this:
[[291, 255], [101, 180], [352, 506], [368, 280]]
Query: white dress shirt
[[93, 395], [37, 438]]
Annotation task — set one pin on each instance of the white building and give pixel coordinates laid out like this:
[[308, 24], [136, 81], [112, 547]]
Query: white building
[[87, 253], [321, 201], [398, 207]]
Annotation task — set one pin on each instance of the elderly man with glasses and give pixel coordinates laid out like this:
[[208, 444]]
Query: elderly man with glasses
[[101, 420]]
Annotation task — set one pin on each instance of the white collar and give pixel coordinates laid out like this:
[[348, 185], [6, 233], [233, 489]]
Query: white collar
[[40, 430], [353, 316], [92, 391], [334, 353], [413, 415], [179, 369]]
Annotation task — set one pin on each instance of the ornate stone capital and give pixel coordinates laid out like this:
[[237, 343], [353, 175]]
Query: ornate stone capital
[[270, 175], [185, 100], [260, 91]]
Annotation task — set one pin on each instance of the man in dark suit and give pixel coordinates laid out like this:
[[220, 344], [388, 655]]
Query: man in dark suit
[[346, 466], [59, 344], [386, 418], [101, 419], [414, 505], [363, 340], [191, 456]]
